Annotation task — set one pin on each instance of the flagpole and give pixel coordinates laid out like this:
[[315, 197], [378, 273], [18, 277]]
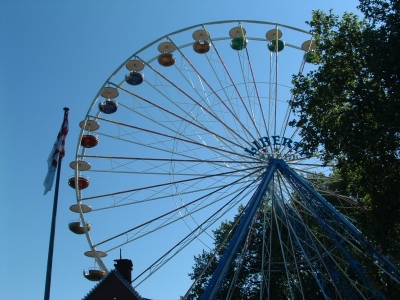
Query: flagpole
[[53, 227]]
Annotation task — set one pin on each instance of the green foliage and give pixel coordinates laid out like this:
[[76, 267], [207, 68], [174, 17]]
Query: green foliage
[[350, 108]]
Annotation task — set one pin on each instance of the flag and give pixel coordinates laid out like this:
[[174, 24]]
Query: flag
[[56, 153]]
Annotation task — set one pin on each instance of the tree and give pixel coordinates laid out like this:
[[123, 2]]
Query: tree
[[349, 110]]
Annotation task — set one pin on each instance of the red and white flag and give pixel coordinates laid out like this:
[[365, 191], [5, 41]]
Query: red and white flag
[[57, 152]]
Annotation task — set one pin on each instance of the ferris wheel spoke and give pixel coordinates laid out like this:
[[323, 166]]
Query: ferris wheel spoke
[[224, 88], [193, 235], [158, 164], [195, 101], [156, 136], [172, 137], [164, 150], [312, 245], [214, 134], [289, 108], [164, 197], [343, 279], [196, 124], [273, 100], [276, 84], [196, 135], [337, 234], [318, 243], [210, 107], [283, 250], [236, 90], [230, 203], [204, 226], [247, 94], [212, 91], [170, 221], [260, 106], [283, 209], [171, 159], [171, 183], [310, 165], [193, 117], [338, 196]]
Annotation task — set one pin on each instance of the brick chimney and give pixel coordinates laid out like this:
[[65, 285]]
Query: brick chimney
[[124, 267]]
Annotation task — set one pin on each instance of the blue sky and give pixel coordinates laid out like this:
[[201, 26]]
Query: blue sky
[[59, 53]]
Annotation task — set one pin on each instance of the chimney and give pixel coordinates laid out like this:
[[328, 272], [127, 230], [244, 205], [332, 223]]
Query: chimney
[[124, 267]]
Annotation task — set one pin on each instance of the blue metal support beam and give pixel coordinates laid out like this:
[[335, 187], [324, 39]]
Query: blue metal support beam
[[233, 247], [305, 245], [383, 261], [321, 209]]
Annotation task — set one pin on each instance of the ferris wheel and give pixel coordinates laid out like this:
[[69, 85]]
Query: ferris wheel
[[189, 129]]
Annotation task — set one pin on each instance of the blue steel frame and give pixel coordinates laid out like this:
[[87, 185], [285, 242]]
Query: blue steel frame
[[318, 206], [230, 253]]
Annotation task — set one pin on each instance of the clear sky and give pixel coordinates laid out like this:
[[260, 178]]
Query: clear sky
[[59, 53]]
